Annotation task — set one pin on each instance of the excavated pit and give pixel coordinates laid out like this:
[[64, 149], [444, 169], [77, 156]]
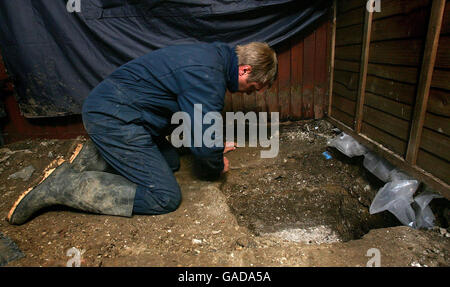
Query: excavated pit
[[300, 195]]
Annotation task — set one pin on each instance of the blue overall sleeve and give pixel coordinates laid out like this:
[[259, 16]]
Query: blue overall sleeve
[[206, 86]]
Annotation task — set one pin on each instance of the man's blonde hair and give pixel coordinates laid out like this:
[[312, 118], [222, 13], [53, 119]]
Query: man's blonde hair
[[262, 59]]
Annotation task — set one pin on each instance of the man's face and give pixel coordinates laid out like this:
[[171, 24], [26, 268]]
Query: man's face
[[244, 85]]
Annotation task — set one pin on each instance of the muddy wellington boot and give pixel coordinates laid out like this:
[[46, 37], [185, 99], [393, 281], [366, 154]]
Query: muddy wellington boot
[[91, 191], [87, 157]]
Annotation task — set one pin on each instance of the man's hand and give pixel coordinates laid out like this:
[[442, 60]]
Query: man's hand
[[226, 165], [229, 146]]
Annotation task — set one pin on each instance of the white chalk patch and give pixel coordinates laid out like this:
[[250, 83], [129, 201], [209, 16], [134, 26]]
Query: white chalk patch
[[313, 235]]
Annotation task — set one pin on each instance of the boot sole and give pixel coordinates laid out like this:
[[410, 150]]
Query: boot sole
[[46, 173], [75, 153]]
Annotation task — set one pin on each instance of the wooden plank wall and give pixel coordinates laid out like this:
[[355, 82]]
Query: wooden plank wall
[[349, 33], [398, 38], [434, 152], [396, 48], [301, 89]]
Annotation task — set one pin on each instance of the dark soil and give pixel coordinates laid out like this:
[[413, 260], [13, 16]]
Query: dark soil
[[301, 189]]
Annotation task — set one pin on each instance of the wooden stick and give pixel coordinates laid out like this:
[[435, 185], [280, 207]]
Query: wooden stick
[[363, 70], [426, 73], [332, 51]]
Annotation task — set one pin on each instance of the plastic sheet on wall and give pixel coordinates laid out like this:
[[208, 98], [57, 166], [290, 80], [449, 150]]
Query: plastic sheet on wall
[[58, 50]]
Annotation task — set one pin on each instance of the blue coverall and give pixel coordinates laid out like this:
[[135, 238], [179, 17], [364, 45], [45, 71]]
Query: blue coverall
[[128, 115]]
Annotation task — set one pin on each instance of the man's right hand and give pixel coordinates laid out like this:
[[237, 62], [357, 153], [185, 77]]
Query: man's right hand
[[229, 146]]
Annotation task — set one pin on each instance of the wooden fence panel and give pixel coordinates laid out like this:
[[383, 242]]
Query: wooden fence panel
[[397, 43], [296, 77], [434, 153], [347, 56], [284, 79], [320, 72], [308, 75], [406, 88]]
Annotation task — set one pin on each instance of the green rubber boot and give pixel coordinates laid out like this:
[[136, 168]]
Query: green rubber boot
[[91, 191], [88, 158]]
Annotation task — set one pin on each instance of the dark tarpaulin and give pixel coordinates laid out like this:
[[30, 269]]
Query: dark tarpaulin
[[56, 57]]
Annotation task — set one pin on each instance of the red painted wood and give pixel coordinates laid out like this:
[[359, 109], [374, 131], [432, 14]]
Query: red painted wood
[[228, 106], [284, 79], [16, 127], [249, 102], [320, 72], [272, 97], [329, 29], [238, 102], [296, 77], [261, 102], [3, 75], [309, 50]]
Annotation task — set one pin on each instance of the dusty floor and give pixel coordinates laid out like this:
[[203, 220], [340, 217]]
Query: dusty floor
[[297, 209]]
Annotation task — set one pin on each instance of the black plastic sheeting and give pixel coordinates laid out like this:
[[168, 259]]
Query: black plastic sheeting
[[56, 57]]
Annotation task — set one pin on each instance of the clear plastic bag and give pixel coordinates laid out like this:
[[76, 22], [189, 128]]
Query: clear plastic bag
[[424, 215], [396, 197], [347, 145], [402, 209], [396, 174], [378, 166]]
